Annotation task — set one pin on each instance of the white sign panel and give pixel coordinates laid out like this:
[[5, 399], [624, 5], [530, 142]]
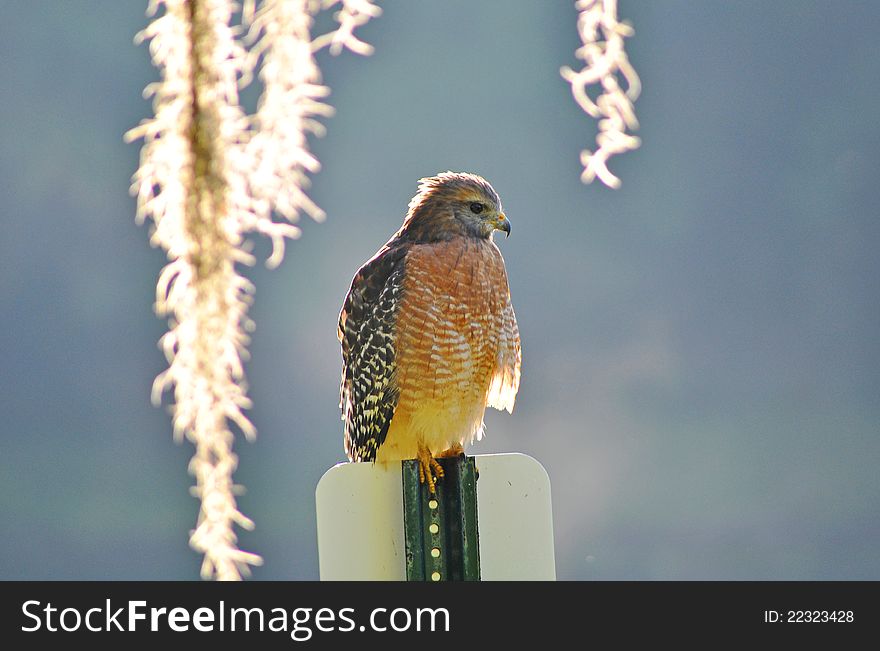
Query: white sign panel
[[360, 521]]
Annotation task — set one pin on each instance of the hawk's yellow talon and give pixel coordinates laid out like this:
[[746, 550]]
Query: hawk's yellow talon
[[455, 451], [428, 468]]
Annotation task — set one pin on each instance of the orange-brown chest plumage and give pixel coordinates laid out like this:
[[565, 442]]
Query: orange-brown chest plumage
[[454, 329]]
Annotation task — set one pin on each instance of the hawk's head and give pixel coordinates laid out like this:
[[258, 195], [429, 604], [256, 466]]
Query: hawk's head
[[454, 204]]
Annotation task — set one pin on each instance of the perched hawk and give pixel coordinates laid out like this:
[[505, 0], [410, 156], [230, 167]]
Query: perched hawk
[[429, 338]]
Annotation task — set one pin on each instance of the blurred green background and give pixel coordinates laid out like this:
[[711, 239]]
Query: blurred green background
[[701, 356]]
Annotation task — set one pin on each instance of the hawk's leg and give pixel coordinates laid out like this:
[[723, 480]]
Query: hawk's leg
[[456, 450], [427, 467]]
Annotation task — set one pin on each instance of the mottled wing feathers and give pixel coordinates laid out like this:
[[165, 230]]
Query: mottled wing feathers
[[368, 392], [505, 379]]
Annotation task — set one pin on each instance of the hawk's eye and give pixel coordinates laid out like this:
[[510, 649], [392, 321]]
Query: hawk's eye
[[476, 207]]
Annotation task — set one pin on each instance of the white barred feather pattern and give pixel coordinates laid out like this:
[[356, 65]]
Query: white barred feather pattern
[[505, 380]]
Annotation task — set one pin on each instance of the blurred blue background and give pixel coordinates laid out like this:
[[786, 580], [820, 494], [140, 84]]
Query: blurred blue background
[[701, 355]]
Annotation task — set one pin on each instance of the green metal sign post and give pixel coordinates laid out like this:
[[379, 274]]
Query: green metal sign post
[[440, 530]]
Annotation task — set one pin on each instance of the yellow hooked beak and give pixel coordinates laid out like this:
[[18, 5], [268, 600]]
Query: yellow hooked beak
[[503, 224]]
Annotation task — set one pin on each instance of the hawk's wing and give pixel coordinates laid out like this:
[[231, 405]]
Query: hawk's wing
[[505, 379], [368, 393]]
